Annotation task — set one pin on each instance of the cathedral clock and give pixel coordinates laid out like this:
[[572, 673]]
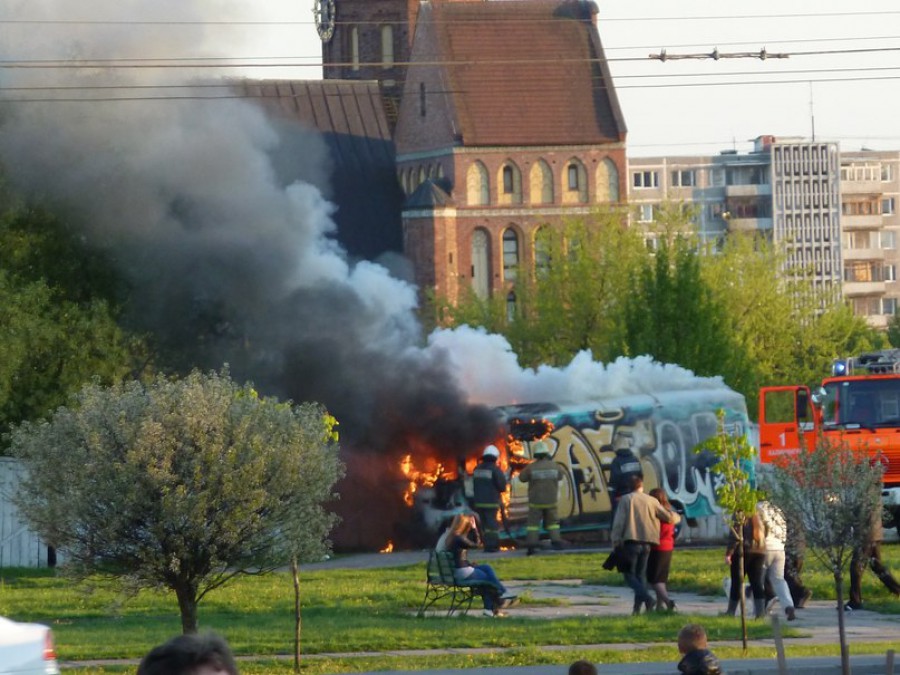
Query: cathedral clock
[[324, 13]]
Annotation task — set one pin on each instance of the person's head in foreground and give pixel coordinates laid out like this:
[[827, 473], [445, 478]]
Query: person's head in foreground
[[698, 660], [582, 668], [192, 654]]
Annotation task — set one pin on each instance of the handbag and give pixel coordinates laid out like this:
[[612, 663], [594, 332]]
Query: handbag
[[614, 559]]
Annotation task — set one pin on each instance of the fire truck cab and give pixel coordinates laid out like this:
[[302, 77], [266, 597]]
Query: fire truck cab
[[860, 403]]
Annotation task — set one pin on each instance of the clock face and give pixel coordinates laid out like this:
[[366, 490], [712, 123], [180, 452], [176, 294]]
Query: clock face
[[324, 12]]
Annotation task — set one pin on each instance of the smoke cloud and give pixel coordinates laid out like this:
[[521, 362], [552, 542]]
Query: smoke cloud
[[230, 254]]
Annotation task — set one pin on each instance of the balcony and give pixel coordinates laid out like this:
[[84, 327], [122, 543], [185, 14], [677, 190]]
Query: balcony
[[861, 187], [865, 222], [862, 254], [856, 288], [748, 190], [749, 224]]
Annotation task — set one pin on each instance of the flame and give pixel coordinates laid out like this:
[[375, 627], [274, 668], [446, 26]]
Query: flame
[[421, 477], [389, 547]]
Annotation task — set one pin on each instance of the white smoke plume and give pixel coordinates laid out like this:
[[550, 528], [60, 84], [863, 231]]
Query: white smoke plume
[[231, 257]]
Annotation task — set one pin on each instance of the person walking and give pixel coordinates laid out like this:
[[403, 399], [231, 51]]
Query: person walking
[[869, 555], [775, 526], [660, 559], [488, 484], [753, 550], [635, 530], [543, 476], [794, 553]]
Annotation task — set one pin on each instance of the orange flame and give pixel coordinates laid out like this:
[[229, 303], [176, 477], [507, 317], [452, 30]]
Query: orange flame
[[389, 547], [421, 477]]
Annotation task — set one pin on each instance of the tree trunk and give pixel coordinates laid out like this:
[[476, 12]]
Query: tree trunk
[[842, 631], [295, 572], [743, 596], [187, 603]]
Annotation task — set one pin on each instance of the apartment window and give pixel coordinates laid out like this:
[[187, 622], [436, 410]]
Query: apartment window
[[645, 179], [645, 213], [717, 177], [890, 273], [888, 239], [887, 172], [887, 206], [889, 306], [686, 178]]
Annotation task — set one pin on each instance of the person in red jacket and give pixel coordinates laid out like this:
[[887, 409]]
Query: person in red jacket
[[660, 559]]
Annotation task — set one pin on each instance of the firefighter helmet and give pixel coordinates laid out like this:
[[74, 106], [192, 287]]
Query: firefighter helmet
[[540, 449], [490, 451]]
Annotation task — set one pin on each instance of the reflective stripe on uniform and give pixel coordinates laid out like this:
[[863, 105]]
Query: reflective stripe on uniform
[[487, 506], [542, 506], [545, 474]]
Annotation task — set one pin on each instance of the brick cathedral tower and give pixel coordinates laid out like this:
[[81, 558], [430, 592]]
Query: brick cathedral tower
[[368, 40]]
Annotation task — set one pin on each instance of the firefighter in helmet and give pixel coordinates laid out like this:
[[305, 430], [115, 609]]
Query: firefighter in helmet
[[543, 476], [488, 484]]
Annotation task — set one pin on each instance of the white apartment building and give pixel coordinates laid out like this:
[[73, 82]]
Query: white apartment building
[[833, 214]]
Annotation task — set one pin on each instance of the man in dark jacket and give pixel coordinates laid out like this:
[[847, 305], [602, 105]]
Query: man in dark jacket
[[543, 476], [869, 555], [625, 466], [488, 483]]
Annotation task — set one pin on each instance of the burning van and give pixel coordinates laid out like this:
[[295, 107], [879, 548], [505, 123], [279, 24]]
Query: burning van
[[661, 429]]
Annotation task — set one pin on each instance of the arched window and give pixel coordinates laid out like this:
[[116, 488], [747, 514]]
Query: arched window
[[575, 183], [481, 263], [354, 47], [478, 192], [511, 306], [510, 181], [607, 181], [510, 254], [541, 183], [541, 251], [387, 46]]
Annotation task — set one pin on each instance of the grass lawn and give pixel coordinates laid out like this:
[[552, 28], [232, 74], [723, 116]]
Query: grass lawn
[[373, 611]]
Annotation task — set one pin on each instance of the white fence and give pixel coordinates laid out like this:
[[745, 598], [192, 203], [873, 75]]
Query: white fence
[[19, 546]]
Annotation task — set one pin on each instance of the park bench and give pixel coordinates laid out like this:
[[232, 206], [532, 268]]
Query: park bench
[[441, 583]]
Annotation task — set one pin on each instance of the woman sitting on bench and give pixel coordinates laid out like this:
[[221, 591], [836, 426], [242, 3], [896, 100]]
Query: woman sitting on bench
[[456, 540]]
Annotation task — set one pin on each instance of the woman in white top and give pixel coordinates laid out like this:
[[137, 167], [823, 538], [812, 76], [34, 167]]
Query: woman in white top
[[776, 535]]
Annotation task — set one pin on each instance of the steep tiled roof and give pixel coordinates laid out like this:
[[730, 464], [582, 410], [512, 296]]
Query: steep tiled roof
[[429, 194], [526, 72], [351, 119]]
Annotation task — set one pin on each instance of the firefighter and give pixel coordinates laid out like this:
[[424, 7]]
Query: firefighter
[[625, 466], [488, 484], [542, 476]]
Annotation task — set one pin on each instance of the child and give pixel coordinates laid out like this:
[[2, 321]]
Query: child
[[697, 660], [582, 668]]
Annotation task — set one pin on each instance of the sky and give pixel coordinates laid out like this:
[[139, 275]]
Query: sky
[[691, 106]]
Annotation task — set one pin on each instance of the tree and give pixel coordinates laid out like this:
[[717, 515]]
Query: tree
[[182, 484], [672, 315], [832, 491], [59, 305], [736, 490], [570, 299]]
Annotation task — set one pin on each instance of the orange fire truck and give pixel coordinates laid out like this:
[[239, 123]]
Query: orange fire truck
[[860, 403]]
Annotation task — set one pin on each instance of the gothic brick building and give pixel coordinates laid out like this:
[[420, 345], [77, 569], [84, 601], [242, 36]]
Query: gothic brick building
[[508, 121]]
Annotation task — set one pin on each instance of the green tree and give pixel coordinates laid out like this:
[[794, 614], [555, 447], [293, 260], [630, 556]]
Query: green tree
[[833, 492], [181, 484], [58, 316], [570, 299], [893, 331], [736, 491], [673, 315]]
